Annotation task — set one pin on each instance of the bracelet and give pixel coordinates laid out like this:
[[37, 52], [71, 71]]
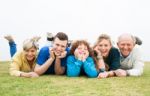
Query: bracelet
[[99, 57], [101, 70]]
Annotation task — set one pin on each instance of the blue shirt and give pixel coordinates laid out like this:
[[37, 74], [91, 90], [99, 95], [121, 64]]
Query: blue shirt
[[44, 55]]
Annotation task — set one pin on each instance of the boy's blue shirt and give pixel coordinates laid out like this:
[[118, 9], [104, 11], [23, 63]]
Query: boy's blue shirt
[[44, 55]]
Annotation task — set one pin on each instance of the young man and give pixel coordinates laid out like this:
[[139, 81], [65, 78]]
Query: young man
[[131, 61], [52, 60]]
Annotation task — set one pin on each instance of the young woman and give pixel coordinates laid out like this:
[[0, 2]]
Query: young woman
[[107, 57], [23, 62], [80, 60]]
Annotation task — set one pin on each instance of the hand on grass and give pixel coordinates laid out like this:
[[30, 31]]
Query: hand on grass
[[103, 75], [120, 73]]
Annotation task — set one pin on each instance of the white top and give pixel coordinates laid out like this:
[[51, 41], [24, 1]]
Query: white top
[[133, 63]]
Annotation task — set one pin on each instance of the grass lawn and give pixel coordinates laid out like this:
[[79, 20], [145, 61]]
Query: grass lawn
[[52, 85]]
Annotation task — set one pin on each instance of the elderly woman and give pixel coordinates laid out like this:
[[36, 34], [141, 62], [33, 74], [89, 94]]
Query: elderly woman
[[23, 62], [80, 60]]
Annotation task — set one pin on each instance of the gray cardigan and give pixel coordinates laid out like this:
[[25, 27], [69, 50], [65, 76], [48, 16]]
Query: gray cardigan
[[133, 63]]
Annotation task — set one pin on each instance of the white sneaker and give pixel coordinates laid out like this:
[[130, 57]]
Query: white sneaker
[[9, 38]]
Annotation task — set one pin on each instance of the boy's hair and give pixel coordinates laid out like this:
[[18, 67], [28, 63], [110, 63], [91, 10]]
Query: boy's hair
[[61, 36]]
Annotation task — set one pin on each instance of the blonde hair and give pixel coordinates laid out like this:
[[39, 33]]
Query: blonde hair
[[104, 36], [29, 43]]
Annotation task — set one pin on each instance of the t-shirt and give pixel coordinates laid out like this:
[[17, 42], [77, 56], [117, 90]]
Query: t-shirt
[[44, 55]]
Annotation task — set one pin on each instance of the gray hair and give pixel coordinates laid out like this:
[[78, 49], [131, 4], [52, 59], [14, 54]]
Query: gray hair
[[127, 36]]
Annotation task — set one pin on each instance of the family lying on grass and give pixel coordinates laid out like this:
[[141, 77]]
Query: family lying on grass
[[100, 61]]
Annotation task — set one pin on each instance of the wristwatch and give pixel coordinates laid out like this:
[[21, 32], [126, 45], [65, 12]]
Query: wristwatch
[[101, 70]]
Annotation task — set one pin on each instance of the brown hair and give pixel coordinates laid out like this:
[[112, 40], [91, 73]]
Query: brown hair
[[79, 42], [61, 36], [104, 36]]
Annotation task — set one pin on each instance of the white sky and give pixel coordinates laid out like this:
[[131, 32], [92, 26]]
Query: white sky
[[80, 19]]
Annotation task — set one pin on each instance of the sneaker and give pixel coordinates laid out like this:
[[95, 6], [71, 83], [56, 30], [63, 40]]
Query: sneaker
[[9, 38], [36, 38], [138, 40], [70, 43], [50, 36]]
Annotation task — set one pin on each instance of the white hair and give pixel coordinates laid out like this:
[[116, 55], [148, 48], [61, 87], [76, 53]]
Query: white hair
[[126, 36]]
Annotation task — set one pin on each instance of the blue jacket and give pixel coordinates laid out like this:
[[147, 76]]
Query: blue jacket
[[74, 67]]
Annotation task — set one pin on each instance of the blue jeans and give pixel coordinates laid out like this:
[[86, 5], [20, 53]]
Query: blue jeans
[[13, 48]]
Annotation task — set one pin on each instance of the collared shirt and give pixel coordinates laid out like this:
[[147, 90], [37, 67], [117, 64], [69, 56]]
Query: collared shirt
[[133, 63]]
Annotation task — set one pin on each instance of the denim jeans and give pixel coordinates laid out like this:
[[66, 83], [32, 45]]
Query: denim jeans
[[13, 48]]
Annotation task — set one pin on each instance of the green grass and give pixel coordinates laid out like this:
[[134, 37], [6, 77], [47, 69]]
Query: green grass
[[52, 85]]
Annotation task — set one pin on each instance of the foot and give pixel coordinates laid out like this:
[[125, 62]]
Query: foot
[[36, 38], [138, 40], [49, 35], [9, 38]]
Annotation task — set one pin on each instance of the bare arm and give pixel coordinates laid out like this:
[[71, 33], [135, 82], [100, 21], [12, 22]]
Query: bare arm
[[98, 58], [58, 68], [41, 69], [29, 74]]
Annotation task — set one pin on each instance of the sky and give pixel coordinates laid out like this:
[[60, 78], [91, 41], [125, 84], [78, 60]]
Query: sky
[[80, 19]]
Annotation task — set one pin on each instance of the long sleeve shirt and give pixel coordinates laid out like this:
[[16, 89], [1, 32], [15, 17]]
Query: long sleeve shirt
[[19, 64], [113, 59], [133, 63], [74, 67]]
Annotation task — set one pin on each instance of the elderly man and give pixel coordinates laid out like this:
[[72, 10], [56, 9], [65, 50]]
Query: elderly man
[[131, 61], [52, 60]]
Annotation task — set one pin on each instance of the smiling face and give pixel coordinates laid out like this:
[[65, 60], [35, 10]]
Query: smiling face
[[125, 44], [82, 49], [104, 46], [30, 54], [59, 46]]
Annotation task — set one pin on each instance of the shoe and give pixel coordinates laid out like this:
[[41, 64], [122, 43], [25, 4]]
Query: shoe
[[138, 40], [70, 43], [9, 38], [36, 38], [50, 36]]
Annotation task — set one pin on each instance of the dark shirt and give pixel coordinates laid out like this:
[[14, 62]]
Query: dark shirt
[[113, 59]]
